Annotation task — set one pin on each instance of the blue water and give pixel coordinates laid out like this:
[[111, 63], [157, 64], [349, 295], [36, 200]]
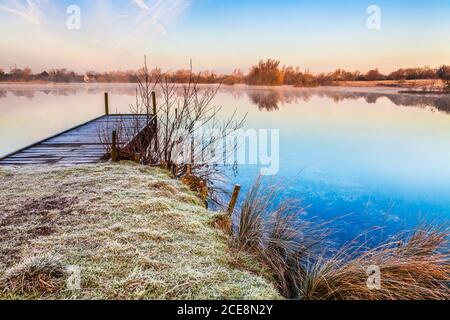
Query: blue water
[[366, 157], [364, 160]]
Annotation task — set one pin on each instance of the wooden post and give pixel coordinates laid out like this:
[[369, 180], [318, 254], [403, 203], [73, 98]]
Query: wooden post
[[175, 170], [106, 104], [188, 170], [114, 156], [234, 197], [154, 103], [155, 121], [204, 193]]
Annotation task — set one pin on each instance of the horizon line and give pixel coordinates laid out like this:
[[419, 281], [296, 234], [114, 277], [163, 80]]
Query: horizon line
[[87, 71]]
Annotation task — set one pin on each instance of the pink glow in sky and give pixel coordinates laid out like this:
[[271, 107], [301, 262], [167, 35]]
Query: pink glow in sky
[[223, 35]]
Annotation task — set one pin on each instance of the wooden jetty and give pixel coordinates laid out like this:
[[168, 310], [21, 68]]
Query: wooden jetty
[[86, 143]]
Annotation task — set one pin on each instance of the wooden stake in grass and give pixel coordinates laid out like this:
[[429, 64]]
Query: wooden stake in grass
[[106, 104], [234, 197], [114, 155], [175, 170], [188, 170]]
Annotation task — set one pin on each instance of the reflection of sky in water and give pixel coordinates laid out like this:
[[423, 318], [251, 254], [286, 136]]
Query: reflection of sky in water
[[374, 156]]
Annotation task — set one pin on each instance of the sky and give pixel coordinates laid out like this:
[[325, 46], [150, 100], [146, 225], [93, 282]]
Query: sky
[[222, 35]]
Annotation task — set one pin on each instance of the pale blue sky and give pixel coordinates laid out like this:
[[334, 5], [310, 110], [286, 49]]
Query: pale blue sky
[[224, 34]]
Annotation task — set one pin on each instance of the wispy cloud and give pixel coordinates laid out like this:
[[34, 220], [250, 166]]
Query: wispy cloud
[[141, 4], [148, 15], [111, 30], [157, 14], [30, 10]]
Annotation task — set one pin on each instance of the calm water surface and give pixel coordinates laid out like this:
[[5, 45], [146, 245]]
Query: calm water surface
[[371, 157]]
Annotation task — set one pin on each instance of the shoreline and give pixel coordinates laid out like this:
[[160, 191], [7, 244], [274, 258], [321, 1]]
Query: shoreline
[[391, 84]]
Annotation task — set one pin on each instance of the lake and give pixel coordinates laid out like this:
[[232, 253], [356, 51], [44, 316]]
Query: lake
[[366, 156]]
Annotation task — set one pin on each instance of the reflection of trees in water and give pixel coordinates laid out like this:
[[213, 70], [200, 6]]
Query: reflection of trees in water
[[77, 89], [67, 91], [127, 91], [270, 99], [443, 104], [30, 93], [24, 93], [267, 100], [236, 94]]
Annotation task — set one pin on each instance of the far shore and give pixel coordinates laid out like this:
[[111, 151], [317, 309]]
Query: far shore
[[413, 86]]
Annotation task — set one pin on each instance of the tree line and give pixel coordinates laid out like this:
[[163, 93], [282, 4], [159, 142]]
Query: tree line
[[268, 73]]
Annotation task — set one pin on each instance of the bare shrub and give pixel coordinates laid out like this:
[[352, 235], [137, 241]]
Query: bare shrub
[[183, 129]]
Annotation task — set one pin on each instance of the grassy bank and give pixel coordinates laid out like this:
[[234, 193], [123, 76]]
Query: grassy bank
[[134, 232]]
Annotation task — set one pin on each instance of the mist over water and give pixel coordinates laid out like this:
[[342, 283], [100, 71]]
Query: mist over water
[[366, 157]]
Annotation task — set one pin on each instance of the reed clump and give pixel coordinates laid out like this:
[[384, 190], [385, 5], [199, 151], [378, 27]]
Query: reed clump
[[278, 236], [409, 266]]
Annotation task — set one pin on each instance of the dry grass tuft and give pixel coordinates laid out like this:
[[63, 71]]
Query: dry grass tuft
[[278, 236], [197, 185], [36, 275], [162, 185], [412, 267], [222, 221]]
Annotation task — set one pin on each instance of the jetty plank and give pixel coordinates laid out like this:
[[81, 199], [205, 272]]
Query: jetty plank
[[80, 145]]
